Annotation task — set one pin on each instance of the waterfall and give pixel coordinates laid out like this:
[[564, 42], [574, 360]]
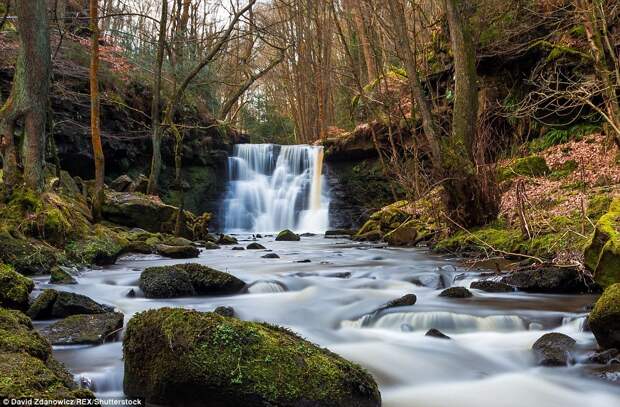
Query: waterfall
[[272, 187]]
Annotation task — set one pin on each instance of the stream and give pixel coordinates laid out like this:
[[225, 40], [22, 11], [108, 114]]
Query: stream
[[488, 362]]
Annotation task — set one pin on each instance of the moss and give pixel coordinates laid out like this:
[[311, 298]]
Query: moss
[[598, 206], [101, 248], [532, 166], [60, 276], [602, 253], [26, 257], [564, 170], [287, 236], [43, 304], [167, 351], [14, 288], [17, 335], [604, 319]]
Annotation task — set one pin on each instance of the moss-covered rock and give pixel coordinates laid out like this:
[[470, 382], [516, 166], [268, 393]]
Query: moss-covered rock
[[404, 235], [102, 247], [83, 329], [532, 166], [604, 320], [14, 288], [287, 236], [27, 258], [602, 254], [255, 246], [17, 335], [186, 280], [177, 252], [60, 304], [182, 357], [61, 276], [226, 240]]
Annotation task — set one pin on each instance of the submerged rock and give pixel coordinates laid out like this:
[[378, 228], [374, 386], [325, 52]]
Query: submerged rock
[[287, 236], [492, 286], [183, 357], [178, 252], [60, 304], [186, 280], [604, 320], [238, 248], [548, 279], [553, 349], [436, 333], [270, 256], [226, 240], [456, 292], [61, 276], [14, 288], [83, 329], [255, 246], [604, 357]]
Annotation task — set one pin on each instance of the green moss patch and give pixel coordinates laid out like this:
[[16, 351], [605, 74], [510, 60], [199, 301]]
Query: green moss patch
[[14, 288], [532, 166], [604, 319]]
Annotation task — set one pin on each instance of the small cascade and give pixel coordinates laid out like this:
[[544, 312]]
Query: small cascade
[[272, 187]]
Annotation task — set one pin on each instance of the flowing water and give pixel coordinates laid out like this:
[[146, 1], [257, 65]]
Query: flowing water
[[330, 301], [272, 187]]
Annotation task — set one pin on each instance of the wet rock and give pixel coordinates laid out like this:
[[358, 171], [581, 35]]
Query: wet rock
[[61, 276], [60, 304], [553, 349], [604, 320], [610, 372], [370, 236], [178, 252], [235, 363], [340, 233], [210, 246], [186, 280], [492, 286], [121, 184], [287, 236], [604, 357], [303, 261], [238, 248], [436, 333], [405, 300], [342, 274], [226, 240], [456, 292], [548, 279], [431, 280], [255, 246], [84, 329], [14, 288], [308, 234], [131, 293], [178, 241], [270, 256], [225, 311]]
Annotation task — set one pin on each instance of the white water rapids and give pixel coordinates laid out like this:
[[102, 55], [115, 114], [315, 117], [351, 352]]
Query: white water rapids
[[488, 362], [272, 187]]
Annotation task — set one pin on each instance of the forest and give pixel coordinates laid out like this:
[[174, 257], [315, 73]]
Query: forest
[[300, 203]]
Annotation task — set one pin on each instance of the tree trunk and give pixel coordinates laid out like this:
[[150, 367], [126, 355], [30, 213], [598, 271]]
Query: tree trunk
[[155, 118], [470, 195], [94, 112], [29, 95]]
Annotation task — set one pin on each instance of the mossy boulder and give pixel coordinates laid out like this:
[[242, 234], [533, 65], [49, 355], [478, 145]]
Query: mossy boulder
[[604, 320], [26, 258], [14, 288], [83, 329], [60, 304], [61, 276], [404, 235], [102, 247], [532, 166], [186, 280], [456, 292], [183, 357], [226, 240], [177, 252], [602, 254], [287, 236], [17, 335], [255, 246]]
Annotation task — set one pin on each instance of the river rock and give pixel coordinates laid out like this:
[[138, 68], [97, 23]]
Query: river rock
[[60, 304], [226, 240], [287, 236], [210, 246], [405, 300], [14, 288], [186, 280], [225, 311], [61, 276], [604, 320], [340, 233], [183, 357], [178, 241], [177, 252], [270, 256], [553, 349], [604, 357], [404, 235], [238, 248], [548, 279], [436, 333], [602, 255], [83, 329], [456, 292], [491, 286], [255, 246]]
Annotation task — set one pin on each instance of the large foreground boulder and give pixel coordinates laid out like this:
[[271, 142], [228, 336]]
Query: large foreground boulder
[[84, 329], [553, 349], [60, 304], [180, 357], [604, 320], [183, 280], [14, 288], [602, 255]]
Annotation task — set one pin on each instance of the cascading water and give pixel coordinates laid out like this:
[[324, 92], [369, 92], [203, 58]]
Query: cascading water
[[272, 187]]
